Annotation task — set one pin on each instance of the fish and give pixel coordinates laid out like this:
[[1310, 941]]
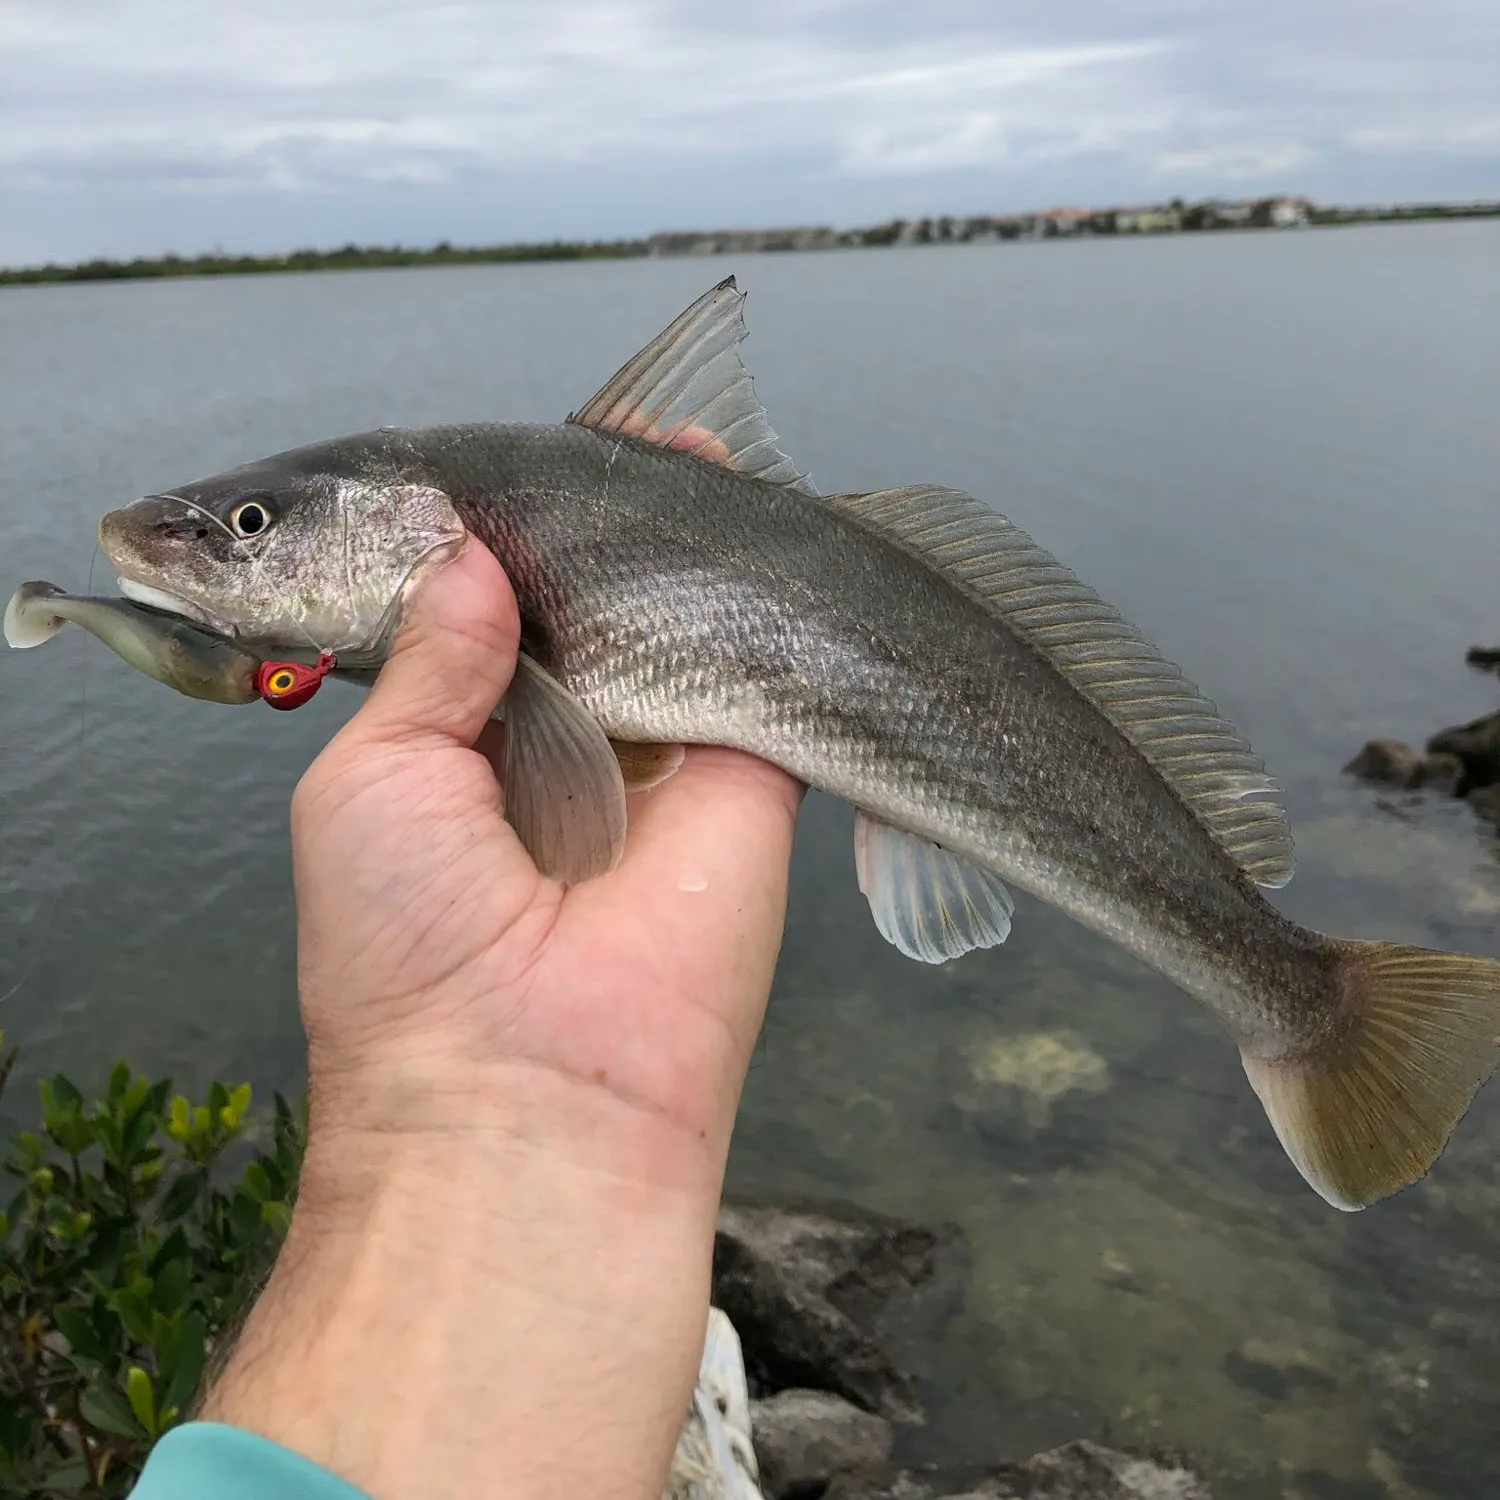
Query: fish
[[163, 646], [912, 651]]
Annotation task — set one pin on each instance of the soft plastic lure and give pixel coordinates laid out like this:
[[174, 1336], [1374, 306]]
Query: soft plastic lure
[[289, 684]]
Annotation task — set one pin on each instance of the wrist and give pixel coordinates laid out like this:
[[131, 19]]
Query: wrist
[[452, 1304]]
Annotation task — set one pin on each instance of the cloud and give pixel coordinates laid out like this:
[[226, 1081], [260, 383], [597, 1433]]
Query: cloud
[[127, 118], [1237, 163], [297, 97]]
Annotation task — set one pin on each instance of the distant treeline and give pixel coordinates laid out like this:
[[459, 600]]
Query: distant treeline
[[1176, 217], [346, 258], [1389, 213]]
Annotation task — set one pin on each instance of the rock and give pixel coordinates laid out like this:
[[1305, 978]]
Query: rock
[[1440, 773], [1076, 1471], [1483, 656], [820, 1297], [804, 1438], [1485, 801], [1277, 1373], [1477, 745], [1391, 761]]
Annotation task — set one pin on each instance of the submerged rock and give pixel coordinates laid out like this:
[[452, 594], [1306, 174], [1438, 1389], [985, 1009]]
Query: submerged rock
[[1076, 1471], [1393, 762], [815, 1293], [804, 1438], [1461, 761], [1485, 801], [1037, 1068], [1477, 745], [1442, 773]]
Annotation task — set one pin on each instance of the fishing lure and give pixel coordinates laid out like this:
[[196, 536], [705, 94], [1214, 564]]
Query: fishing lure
[[289, 684]]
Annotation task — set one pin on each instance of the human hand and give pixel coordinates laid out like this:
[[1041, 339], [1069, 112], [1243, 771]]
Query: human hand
[[522, 1094], [443, 978]]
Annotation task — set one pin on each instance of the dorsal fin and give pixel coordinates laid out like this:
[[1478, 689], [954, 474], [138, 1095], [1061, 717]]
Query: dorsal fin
[[1204, 758], [688, 389]]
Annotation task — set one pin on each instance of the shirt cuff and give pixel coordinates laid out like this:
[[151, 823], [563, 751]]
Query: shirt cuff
[[210, 1461]]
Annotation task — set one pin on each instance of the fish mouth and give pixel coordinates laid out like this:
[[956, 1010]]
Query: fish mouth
[[172, 604]]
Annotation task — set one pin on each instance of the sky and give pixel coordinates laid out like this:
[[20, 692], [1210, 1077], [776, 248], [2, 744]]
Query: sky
[[145, 126]]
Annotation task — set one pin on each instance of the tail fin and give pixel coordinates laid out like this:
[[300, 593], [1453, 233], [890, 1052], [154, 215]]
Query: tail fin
[[27, 621], [1371, 1109]]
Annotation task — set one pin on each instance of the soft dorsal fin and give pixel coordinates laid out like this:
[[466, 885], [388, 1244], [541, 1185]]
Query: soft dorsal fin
[[688, 389], [1203, 757]]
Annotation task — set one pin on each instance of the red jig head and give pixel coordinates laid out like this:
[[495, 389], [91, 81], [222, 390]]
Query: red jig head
[[288, 684]]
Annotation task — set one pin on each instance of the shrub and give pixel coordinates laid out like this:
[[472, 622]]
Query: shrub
[[142, 1227]]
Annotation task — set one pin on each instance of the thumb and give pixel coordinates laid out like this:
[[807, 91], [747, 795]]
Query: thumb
[[452, 658]]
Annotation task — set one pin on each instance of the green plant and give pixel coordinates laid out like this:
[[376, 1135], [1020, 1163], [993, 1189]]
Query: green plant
[[131, 1248]]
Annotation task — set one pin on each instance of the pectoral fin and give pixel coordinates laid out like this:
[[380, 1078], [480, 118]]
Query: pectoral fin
[[564, 794], [930, 904]]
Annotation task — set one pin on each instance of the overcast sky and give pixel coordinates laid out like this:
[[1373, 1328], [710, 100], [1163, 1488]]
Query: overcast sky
[[139, 126]]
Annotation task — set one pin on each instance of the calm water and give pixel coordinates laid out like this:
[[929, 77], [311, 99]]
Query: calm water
[[1278, 454]]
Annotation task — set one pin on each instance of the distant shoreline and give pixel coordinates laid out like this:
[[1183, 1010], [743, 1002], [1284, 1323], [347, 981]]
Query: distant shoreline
[[1281, 212]]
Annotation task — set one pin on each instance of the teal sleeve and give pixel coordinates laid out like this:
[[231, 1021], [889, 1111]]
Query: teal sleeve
[[208, 1461]]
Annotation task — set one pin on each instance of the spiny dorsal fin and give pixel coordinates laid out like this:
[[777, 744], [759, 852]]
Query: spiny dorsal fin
[[688, 389], [1204, 758]]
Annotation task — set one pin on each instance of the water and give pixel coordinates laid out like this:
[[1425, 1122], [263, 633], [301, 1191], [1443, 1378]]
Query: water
[[1277, 453]]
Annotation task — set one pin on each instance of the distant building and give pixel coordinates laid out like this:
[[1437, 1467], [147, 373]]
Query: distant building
[[1150, 220], [1227, 215], [1284, 211], [1290, 212], [1056, 221]]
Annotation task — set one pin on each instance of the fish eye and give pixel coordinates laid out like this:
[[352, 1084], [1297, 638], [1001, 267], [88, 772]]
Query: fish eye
[[250, 518]]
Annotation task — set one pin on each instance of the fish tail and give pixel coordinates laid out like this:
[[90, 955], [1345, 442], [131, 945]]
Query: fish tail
[[27, 622], [1370, 1108]]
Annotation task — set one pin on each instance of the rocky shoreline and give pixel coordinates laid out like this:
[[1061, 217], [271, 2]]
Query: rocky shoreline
[[1460, 761], [832, 1306]]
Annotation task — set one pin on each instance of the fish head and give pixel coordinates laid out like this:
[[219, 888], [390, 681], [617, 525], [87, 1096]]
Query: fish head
[[307, 551]]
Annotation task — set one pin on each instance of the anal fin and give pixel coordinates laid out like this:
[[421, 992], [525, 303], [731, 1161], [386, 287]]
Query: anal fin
[[930, 904]]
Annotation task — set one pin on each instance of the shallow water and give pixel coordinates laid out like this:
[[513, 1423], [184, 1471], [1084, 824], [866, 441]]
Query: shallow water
[[1277, 453]]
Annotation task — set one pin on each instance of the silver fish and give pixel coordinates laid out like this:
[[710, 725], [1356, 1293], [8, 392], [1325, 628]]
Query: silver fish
[[162, 646], [911, 651]]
